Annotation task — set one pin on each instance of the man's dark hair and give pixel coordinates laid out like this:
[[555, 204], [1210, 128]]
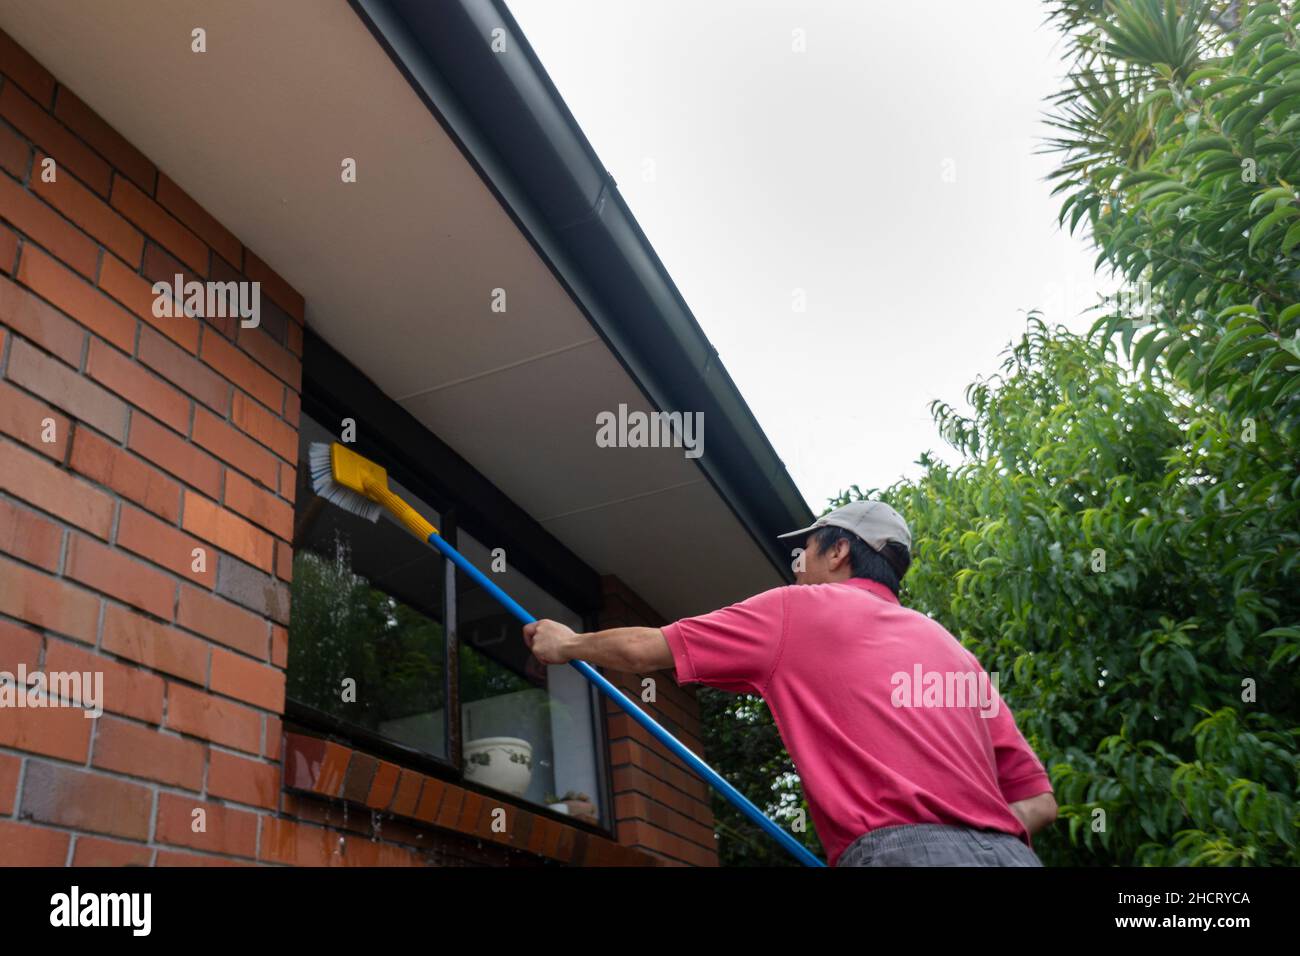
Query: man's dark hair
[[886, 566]]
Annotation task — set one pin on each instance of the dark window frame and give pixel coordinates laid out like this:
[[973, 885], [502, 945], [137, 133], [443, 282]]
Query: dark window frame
[[463, 497]]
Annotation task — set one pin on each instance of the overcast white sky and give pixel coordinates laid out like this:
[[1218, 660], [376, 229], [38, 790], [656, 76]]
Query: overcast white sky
[[756, 170]]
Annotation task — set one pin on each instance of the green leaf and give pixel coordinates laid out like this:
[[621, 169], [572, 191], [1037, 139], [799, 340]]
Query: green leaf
[[1137, 179], [1208, 142], [1291, 238], [1262, 227], [1239, 309], [1160, 189], [1141, 349], [1270, 195]]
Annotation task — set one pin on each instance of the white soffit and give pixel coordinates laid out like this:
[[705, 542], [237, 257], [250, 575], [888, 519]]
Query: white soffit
[[398, 269]]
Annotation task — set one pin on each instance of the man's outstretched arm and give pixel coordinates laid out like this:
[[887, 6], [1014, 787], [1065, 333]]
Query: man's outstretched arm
[[632, 649]]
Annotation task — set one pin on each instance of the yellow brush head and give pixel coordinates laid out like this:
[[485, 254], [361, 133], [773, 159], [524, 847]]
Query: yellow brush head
[[354, 472], [344, 478]]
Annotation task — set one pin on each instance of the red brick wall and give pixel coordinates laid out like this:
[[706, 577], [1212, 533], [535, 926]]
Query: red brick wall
[[172, 434], [660, 806]]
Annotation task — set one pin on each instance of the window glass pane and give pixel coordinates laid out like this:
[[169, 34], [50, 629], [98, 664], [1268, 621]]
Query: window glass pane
[[527, 728], [367, 607]]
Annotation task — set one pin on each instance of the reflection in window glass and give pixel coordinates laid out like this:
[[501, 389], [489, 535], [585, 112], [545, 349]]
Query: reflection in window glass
[[527, 728], [367, 613], [366, 642]]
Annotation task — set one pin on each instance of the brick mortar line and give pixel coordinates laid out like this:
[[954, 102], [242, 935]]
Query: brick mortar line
[[673, 725], [18, 134], [694, 745], [102, 616], [149, 782], [664, 855], [136, 363], [149, 844], [651, 799], [153, 814], [50, 111], [119, 502], [25, 505], [22, 779], [61, 169], [654, 748], [155, 786], [666, 780], [71, 416], [663, 708], [678, 836], [709, 847], [96, 650], [8, 344], [94, 281], [132, 410], [698, 801], [667, 691], [167, 678]]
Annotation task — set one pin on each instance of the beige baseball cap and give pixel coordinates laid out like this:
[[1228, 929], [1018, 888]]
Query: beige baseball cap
[[873, 521]]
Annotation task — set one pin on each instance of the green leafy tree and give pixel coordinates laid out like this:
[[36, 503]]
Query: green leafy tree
[[1179, 135], [746, 748], [1121, 537], [1180, 141], [1086, 550]]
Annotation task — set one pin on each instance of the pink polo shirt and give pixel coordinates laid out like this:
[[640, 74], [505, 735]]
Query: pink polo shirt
[[879, 706]]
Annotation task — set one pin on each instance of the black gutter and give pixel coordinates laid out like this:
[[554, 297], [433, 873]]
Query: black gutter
[[511, 124]]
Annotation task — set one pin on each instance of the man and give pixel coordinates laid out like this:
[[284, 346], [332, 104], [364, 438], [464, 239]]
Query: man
[[907, 754]]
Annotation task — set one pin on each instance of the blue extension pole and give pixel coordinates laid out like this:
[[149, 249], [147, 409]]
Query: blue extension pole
[[711, 776]]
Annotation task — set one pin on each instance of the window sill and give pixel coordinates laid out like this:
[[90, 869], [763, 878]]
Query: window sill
[[327, 769]]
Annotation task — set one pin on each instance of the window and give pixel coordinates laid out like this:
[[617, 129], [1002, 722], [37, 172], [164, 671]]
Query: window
[[512, 704], [368, 655], [366, 639]]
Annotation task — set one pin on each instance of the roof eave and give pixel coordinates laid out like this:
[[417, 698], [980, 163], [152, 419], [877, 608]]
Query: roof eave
[[509, 121]]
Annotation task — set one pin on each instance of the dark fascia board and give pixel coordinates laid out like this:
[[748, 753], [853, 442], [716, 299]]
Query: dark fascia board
[[511, 124]]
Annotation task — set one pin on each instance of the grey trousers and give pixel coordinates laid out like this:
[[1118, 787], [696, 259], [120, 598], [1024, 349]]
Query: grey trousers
[[934, 844]]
